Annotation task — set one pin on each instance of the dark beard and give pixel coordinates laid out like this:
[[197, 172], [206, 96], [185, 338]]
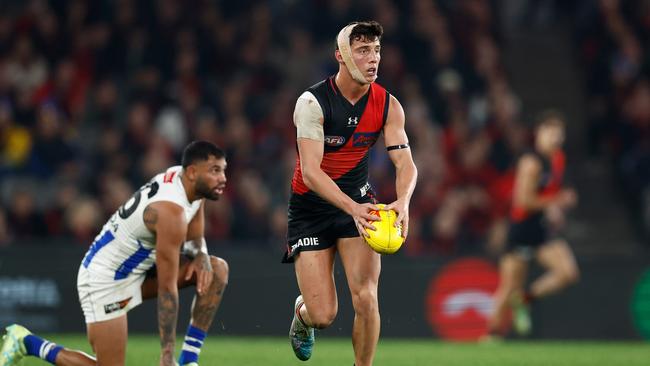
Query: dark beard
[[204, 191]]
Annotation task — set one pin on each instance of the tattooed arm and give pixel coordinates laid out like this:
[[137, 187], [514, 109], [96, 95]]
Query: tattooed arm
[[170, 226], [196, 243]]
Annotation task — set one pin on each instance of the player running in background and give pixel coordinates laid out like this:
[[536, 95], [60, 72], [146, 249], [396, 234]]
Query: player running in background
[[539, 205], [338, 120], [137, 256]]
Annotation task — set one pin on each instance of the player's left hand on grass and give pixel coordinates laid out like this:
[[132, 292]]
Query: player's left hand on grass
[[203, 269], [401, 207]]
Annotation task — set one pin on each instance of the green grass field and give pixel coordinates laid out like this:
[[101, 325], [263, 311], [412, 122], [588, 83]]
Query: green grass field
[[143, 350]]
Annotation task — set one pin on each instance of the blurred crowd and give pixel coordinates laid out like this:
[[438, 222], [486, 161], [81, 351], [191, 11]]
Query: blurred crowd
[[98, 96], [614, 44]]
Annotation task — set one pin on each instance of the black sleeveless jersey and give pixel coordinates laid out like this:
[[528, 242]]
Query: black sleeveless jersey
[[350, 131], [550, 181]]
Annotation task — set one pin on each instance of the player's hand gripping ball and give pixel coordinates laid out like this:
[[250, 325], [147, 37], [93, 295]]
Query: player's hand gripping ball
[[387, 238]]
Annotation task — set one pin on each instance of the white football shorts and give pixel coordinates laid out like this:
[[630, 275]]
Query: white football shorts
[[104, 298]]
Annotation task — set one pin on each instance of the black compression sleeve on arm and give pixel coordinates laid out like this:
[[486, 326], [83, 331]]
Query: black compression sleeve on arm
[[396, 147]]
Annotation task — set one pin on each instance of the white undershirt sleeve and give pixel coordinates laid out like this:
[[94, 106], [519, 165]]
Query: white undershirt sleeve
[[308, 117]]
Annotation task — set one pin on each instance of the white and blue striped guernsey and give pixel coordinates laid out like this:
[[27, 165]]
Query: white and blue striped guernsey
[[125, 247]]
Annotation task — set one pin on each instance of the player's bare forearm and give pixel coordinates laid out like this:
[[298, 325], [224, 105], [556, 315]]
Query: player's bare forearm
[[171, 230], [395, 135], [538, 202], [406, 174], [311, 157], [406, 178], [167, 317], [196, 231], [196, 247], [324, 186]]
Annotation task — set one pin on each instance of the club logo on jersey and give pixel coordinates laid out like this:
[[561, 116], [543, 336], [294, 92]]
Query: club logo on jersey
[[169, 177], [362, 139], [110, 308], [334, 140], [353, 121]]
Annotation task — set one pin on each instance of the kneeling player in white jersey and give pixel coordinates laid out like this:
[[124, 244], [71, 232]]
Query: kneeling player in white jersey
[[137, 256]]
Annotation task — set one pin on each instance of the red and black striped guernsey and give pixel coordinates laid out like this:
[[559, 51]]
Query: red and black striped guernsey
[[550, 182], [350, 131]]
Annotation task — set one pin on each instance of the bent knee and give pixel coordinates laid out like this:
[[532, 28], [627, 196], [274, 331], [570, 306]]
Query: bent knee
[[572, 275], [322, 318], [365, 300], [220, 271]]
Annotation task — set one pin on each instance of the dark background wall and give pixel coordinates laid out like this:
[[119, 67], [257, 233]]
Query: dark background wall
[[38, 289], [98, 96]]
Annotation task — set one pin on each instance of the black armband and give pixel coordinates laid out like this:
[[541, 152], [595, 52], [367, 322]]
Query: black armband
[[396, 147]]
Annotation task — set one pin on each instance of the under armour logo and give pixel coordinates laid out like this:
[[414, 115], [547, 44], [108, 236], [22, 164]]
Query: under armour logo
[[353, 121]]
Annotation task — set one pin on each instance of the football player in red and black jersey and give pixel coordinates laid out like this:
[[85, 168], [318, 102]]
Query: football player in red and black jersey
[[538, 208], [338, 120]]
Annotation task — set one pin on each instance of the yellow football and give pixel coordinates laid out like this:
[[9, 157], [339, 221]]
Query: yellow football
[[386, 239]]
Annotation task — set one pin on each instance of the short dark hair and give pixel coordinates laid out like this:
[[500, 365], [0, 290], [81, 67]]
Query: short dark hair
[[200, 151], [550, 117], [366, 31]]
